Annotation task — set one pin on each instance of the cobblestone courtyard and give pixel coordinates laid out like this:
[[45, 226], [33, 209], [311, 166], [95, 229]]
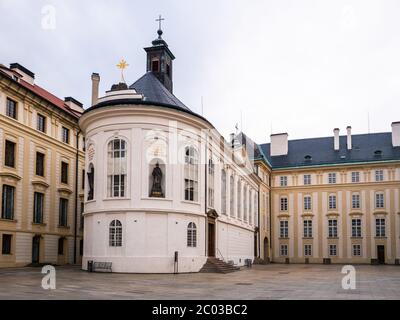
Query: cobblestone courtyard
[[261, 282]]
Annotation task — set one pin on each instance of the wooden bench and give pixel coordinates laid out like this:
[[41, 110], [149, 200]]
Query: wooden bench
[[102, 266]]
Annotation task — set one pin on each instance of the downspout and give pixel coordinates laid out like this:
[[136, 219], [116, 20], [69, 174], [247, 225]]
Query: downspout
[[259, 227], [76, 194]]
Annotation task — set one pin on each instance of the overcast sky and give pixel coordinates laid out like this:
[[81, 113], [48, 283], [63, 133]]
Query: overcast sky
[[302, 67]]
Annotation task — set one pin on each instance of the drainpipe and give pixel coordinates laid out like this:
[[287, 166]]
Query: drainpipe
[[270, 216], [205, 196], [76, 193], [259, 227]]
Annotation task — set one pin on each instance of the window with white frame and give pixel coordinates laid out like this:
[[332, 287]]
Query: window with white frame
[[284, 229], [332, 228], [378, 175], [307, 203], [116, 168], [355, 177], [307, 179], [355, 201], [232, 196], [191, 174], [307, 229], [283, 181], [379, 200], [356, 250], [284, 250], [223, 191], [332, 250], [115, 233], [192, 235], [332, 177], [332, 202], [210, 183], [380, 227], [356, 228], [307, 250], [284, 204]]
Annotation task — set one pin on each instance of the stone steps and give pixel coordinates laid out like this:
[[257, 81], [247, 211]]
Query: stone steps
[[214, 265]]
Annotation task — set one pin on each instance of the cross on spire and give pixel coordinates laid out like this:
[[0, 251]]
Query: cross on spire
[[159, 21]]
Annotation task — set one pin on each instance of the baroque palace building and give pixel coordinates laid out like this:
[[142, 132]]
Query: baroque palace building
[[165, 192], [41, 163]]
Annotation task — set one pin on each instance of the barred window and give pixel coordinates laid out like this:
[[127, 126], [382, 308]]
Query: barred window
[[115, 233], [192, 235], [117, 168]]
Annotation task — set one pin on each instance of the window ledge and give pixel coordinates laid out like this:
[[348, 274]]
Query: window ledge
[[155, 198], [308, 238], [283, 238], [333, 238], [356, 238], [114, 199], [9, 220], [39, 224], [191, 202], [378, 238], [63, 227]]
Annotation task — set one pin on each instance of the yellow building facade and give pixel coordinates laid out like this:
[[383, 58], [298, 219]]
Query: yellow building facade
[[41, 173]]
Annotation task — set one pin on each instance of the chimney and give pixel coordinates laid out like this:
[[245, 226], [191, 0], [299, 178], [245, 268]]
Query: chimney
[[95, 88], [349, 144], [26, 74], [396, 134], [336, 132], [74, 104], [279, 144]]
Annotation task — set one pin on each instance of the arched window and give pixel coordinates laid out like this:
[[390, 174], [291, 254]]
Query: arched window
[[115, 233], [223, 192], [211, 175], [239, 200], [116, 170], [232, 196], [191, 174], [192, 235]]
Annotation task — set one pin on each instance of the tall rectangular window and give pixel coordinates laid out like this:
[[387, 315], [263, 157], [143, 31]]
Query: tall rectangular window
[[7, 241], [41, 123], [9, 154], [356, 228], [63, 213], [307, 203], [223, 192], [60, 246], [65, 135], [284, 181], [355, 201], [11, 108], [378, 175], [64, 172], [40, 164], [211, 175], [83, 179], [379, 200], [332, 177], [307, 179], [307, 229], [332, 202], [38, 207], [284, 204], [355, 177], [356, 250], [380, 225], [332, 250], [7, 203], [284, 229], [332, 228]]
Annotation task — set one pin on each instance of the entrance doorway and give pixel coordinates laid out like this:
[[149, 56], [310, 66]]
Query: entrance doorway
[[36, 249], [266, 250], [211, 239], [381, 254]]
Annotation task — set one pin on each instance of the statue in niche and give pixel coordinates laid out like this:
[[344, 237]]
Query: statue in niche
[[156, 189], [91, 184]]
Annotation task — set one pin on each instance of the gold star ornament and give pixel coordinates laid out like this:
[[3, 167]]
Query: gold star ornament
[[122, 65]]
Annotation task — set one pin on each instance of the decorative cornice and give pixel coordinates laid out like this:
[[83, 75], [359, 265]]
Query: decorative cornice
[[40, 183], [10, 175]]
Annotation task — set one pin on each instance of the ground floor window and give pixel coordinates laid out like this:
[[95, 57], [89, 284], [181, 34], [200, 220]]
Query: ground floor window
[[356, 250], [332, 250], [6, 247], [192, 235], [307, 250], [284, 250], [116, 233], [61, 246]]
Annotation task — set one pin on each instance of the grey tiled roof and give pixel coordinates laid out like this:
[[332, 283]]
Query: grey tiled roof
[[154, 91], [322, 152]]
